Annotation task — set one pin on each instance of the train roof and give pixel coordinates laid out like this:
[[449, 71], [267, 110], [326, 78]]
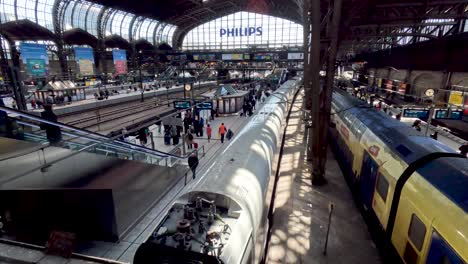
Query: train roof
[[454, 186], [405, 141]]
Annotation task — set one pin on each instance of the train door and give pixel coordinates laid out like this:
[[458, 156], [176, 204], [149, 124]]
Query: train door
[[441, 253], [367, 181]]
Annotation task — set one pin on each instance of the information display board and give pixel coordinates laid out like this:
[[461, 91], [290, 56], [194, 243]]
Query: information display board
[[84, 57], [120, 61], [179, 105], [204, 57], [35, 59], [296, 56], [204, 106], [416, 113]]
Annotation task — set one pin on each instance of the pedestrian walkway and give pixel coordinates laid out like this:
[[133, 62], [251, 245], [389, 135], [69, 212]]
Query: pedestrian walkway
[[301, 211]]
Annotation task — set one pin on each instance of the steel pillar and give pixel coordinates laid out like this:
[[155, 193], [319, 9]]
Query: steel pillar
[[322, 104], [306, 26], [16, 84], [59, 39]]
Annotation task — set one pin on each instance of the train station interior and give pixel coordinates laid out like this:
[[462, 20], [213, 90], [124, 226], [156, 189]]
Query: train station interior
[[234, 131]]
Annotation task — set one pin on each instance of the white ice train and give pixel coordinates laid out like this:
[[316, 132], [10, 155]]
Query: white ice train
[[223, 217]]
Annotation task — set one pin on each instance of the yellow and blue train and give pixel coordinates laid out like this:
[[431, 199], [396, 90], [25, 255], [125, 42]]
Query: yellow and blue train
[[413, 189]]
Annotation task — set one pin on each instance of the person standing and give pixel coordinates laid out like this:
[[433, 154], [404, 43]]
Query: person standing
[[193, 163], [253, 103], [142, 136], [201, 124], [464, 149], [222, 132], [175, 139], [245, 108], [53, 132], [208, 132]]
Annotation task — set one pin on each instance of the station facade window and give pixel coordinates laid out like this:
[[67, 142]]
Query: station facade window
[[243, 30]]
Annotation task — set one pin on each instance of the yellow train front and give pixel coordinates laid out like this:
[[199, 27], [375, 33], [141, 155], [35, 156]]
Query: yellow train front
[[413, 190]]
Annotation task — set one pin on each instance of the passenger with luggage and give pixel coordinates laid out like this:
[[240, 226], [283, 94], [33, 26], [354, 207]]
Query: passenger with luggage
[[222, 132], [229, 134], [193, 163]]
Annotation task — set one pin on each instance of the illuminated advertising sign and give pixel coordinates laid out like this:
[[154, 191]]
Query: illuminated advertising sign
[[84, 57], [120, 61], [34, 57], [240, 32]]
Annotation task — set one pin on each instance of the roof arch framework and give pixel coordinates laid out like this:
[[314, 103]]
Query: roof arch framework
[[243, 30], [84, 15]]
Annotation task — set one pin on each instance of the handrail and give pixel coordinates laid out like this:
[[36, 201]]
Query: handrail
[[78, 131]]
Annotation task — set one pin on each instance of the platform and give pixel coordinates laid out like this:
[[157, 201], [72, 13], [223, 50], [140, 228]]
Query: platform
[[92, 103], [301, 210]]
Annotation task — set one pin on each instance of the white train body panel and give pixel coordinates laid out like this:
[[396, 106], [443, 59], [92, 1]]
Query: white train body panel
[[238, 181]]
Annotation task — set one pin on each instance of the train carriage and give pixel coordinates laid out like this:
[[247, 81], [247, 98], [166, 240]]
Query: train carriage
[[410, 186]]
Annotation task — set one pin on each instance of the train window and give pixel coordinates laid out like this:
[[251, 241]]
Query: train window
[[382, 187], [416, 232]]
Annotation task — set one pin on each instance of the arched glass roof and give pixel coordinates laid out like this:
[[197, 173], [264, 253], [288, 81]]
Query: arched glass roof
[[242, 30], [84, 15]]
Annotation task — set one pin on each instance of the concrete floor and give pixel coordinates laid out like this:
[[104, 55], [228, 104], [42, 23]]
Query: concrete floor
[[301, 210]]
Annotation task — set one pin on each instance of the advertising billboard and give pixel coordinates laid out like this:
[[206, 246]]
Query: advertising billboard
[[34, 57], [232, 56], [84, 58], [120, 61]]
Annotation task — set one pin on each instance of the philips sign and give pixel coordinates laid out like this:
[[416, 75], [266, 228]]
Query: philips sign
[[240, 32]]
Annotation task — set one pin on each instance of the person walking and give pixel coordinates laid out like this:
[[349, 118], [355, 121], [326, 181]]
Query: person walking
[[208, 132], [222, 132], [189, 140], [53, 132], [193, 163], [253, 103]]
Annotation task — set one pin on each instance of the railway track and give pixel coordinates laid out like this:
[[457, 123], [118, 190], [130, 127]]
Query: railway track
[[108, 119]]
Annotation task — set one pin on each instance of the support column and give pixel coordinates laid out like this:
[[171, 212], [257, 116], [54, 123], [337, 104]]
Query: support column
[[15, 80], [59, 40], [101, 45], [314, 74], [306, 27], [322, 121]]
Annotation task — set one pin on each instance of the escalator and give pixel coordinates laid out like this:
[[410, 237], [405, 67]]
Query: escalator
[[87, 184], [80, 140]]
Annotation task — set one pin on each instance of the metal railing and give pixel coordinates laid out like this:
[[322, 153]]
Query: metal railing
[[30, 128]]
